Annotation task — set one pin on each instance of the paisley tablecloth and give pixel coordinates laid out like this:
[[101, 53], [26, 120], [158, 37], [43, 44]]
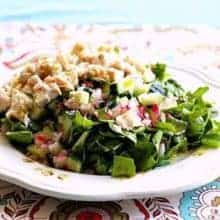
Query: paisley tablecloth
[[195, 47]]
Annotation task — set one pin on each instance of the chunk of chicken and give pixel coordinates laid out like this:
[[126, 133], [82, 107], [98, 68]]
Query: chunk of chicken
[[4, 99], [105, 73], [65, 80], [20, 104], [43, 92], [47, 66], [67, 61]]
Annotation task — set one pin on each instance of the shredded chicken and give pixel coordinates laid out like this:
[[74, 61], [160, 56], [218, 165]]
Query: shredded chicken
[[45, 78], [4, 99], [20, 103]]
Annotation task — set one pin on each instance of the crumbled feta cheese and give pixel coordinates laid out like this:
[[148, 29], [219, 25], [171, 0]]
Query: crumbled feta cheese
[[124, 101], [96, 97], [133, 103], [129, 120]]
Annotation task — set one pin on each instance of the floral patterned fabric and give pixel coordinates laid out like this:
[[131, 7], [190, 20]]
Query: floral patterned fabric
[[197, 48]]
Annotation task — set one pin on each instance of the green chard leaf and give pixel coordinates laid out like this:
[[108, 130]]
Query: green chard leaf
[[172, 126], [81, 142], [65, 125], [125, 134], [181, 146], [157, 139], [198, 93], [82, 122], [160, 71], [211, 139]]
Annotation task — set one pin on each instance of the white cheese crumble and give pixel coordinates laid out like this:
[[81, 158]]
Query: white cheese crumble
[[129, 120]]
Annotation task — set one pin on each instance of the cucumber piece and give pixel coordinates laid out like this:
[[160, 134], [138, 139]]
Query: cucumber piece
[[81, 97], [150, 99], [65, 123], [141, 89], [73, 164], [127, 85], [20, 137], [123, 167], [37, 152], [148, 76], [168, 103]]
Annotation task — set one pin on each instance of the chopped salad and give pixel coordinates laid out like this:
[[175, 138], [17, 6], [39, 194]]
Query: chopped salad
[[96, 110]]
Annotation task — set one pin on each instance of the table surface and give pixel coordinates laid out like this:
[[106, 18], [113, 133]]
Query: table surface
[[114, 11], [197, 48]]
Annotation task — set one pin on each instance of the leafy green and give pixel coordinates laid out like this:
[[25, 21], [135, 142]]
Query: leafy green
[[143, 151], [157, 139], [199, 92], [126, 134], [102, 166], [160, 71], [80, 143], [172, 88], [66, 126], [180, 146], [74, 164], [10, 125], [211, 139], [146, 163], [172, 126], [20, 137], [81, 123]]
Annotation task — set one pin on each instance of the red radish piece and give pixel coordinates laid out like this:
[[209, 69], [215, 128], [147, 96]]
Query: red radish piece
[[42, 139], [88, 84], [154, 114], [141, 112]]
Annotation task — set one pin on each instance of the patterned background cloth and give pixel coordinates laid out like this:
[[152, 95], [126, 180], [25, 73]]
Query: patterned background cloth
[[194, 47]]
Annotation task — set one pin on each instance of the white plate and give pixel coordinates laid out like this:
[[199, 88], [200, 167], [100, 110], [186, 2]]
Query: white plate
[[183, 175]]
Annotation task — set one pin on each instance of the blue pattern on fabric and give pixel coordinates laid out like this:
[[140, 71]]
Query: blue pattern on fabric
[[196, 203]]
